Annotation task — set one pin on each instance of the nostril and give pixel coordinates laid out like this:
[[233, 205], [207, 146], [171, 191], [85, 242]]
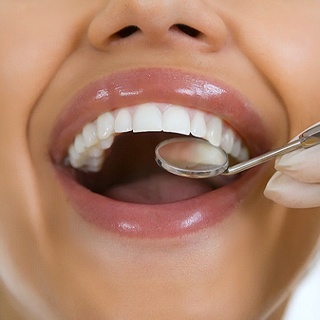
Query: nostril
[[192, 32], [132, 29], [126, 32]]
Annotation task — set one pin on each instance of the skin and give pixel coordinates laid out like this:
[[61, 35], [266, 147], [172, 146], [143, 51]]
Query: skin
[[52, 264]]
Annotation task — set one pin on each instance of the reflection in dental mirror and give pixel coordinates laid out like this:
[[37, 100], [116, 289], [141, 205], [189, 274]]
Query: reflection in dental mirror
[[191, 157]]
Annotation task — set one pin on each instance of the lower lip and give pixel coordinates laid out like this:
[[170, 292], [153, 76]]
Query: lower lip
[[157, 221]]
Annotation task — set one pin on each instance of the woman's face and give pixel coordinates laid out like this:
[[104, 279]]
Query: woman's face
[[141, 244]]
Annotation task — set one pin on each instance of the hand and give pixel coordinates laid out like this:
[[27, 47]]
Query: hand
[[296, 184]]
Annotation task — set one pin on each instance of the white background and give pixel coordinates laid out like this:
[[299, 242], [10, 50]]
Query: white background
[[305, 304]]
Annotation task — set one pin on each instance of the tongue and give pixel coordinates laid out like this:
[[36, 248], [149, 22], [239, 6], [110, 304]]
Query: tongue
[[158, 189]]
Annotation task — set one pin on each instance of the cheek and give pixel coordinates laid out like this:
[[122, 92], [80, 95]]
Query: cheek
[[35, 42], [298, 77], [28, 60], [284, 45]]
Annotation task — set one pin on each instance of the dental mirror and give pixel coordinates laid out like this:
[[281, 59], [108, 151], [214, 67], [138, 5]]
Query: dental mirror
[[197, 158], [191, 157]]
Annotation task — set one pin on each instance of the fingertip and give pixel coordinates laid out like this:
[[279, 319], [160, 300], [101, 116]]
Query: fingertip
[[302, 165], [291, 193]]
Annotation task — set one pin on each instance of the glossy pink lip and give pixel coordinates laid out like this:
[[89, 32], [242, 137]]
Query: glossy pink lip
[[159, 85]]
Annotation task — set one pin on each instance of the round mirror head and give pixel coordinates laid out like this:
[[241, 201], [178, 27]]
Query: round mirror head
[[191, 157]]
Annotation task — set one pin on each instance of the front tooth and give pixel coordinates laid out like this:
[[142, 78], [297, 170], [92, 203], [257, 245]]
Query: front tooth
[[198, 125], [227, 140], [89, 134], [176, 119], [123, 121], [147, 117], [214, 131], [105, 125]]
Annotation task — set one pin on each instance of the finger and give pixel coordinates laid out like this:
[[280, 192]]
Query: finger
[[302, 165], [292, 193]]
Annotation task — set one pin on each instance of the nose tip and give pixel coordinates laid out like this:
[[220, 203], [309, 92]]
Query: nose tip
[[156, 22]]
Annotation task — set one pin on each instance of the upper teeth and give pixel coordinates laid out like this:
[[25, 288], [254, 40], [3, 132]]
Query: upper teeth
[[87, 150]]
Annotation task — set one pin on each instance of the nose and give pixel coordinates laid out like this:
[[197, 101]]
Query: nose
[[157, 22]]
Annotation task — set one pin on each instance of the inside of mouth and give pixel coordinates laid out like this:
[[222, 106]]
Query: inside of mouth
[[130, 174]]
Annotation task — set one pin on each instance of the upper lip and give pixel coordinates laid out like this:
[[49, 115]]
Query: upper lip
[[142, 85]]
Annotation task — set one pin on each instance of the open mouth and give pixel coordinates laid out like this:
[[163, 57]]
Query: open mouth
[[114, 154], [103, 148]]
